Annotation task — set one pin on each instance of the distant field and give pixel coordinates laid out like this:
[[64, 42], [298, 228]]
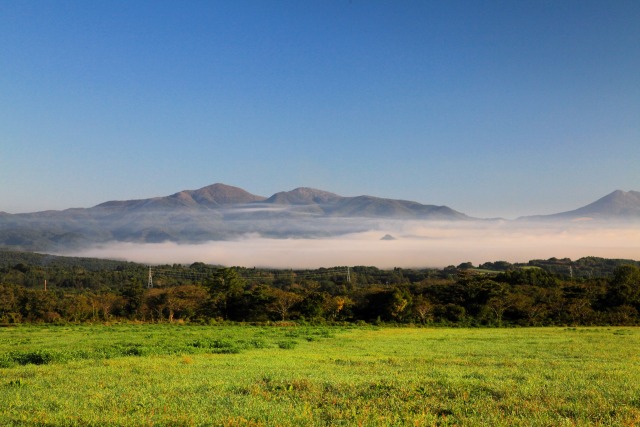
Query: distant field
[[166, 375]]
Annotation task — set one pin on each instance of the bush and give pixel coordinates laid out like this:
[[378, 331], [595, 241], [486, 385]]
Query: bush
[[287, 345], [36, 357], [217, 346]]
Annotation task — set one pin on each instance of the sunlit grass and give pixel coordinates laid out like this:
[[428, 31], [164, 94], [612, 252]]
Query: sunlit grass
[[322, 376]]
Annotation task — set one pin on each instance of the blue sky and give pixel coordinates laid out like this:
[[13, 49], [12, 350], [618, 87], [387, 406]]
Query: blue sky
[[502, 108]]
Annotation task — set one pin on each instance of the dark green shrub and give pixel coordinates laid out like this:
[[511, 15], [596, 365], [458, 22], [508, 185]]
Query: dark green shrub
[[36, 357], [287, 345]]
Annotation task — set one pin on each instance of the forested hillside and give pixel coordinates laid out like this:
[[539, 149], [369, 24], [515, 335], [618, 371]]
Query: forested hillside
[[588, 291]]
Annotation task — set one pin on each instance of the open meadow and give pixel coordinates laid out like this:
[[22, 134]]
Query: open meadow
[[178, 375]]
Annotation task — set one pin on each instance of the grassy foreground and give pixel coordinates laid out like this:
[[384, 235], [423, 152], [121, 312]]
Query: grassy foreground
[[165, 375]]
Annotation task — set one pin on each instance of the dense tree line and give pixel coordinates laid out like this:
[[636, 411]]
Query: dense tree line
[[590, 291]]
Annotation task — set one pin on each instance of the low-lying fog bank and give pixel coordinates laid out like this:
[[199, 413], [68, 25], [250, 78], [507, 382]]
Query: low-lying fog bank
[[405, 244]]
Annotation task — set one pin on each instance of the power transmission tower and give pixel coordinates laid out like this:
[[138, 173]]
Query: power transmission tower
[[150, 281]]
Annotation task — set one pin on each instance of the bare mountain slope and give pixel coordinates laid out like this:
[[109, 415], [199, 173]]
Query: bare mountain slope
[[374, 207], [619, 205], [303, 196], [333, 205], [212, 196]]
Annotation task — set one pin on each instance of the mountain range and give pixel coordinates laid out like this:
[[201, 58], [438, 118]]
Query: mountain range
[[304, 200], [223, 212]]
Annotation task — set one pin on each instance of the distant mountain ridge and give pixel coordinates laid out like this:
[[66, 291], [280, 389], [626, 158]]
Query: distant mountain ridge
[[317, 201], [303, 196], [212, 196], [223, 212], [620, 205], [214, 212], [334, 205]]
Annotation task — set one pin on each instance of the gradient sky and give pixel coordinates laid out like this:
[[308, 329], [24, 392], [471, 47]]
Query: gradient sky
[[501, 108]]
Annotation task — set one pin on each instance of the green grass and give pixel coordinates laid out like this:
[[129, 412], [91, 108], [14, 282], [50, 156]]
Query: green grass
[[164, 375]]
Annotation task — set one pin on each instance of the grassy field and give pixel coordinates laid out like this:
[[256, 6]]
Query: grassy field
[[169, 375]]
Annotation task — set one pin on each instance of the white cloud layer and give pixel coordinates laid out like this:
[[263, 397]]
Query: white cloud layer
[[416, 244]]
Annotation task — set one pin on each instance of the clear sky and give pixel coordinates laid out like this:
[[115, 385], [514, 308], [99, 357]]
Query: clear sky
[[501, 108]]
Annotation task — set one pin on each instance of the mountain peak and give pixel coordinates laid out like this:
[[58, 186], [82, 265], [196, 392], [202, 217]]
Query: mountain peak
[[303, 196], [626, 195], [212, 196], [617, 204], [221, 194]]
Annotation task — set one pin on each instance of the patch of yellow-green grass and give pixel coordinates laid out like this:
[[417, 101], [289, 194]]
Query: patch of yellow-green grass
[[328, 377]]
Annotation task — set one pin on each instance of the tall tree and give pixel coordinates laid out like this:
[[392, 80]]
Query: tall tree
[[283, 302]]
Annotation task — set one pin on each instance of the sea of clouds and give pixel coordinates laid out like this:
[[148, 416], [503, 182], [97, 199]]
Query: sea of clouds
[[416, 244]]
